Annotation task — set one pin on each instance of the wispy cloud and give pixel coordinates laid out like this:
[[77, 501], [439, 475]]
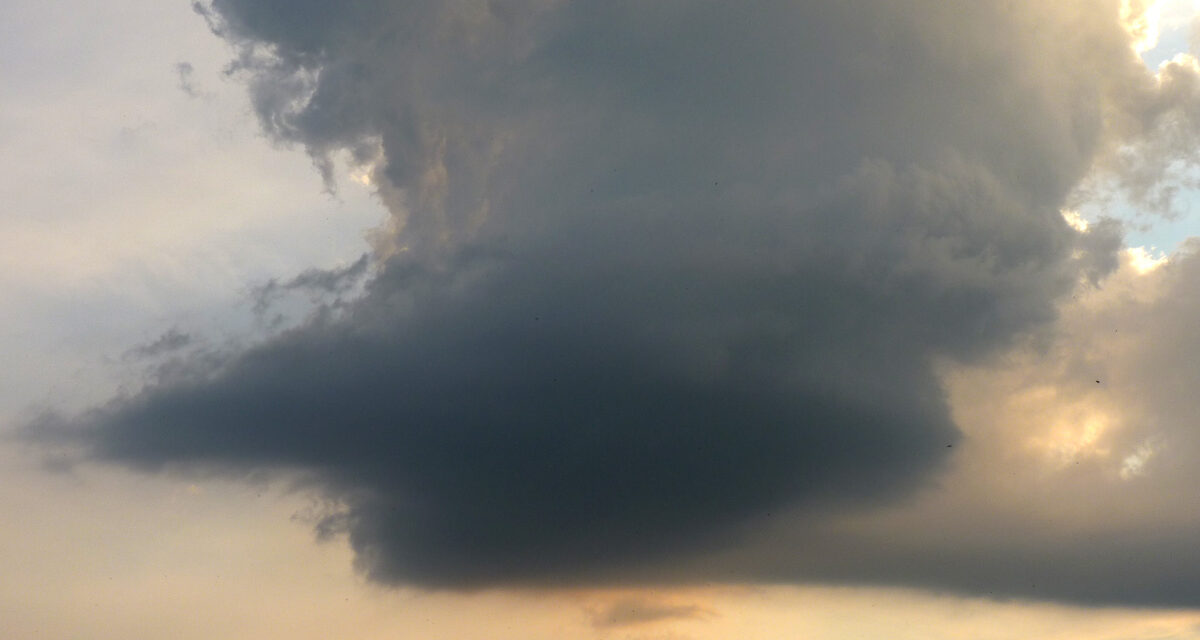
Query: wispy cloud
[[638, 611]]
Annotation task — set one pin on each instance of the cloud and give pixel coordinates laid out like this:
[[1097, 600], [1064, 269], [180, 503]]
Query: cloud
[[170, 341], [524, 424], [1074, 480], [185, 70], [318, 284], [1151, 157], [654, 270], [639, 611]]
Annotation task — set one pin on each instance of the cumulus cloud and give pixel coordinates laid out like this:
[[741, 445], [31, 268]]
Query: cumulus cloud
[[654, 270], [1074, 481]]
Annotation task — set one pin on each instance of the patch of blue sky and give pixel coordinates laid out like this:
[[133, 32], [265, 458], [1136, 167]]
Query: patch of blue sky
[[1170, 43], [1158, 233]]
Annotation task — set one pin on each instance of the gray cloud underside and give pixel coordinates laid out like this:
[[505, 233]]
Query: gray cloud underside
[[522, 423], [656, 269], [1078, 533]]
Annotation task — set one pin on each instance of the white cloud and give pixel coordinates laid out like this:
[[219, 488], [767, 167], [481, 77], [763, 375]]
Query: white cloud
[[1144, 260], [1134, 464]]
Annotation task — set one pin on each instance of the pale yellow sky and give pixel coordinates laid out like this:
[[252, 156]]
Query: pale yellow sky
[[101, 554]]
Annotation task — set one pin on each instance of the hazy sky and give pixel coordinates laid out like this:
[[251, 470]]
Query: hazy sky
[[552, 319]]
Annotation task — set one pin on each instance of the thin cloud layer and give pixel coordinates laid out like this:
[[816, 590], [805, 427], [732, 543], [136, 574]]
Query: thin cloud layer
[[633, 611], [655, 270]]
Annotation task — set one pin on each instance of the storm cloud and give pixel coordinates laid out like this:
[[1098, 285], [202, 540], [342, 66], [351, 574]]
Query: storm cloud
[[654, 270], [1075, 477]]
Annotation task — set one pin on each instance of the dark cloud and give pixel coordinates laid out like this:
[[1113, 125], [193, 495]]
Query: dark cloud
[[1101, 247], [655, 269], [525, 421]]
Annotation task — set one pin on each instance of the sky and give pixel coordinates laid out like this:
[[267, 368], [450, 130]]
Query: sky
[[622, 320]]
